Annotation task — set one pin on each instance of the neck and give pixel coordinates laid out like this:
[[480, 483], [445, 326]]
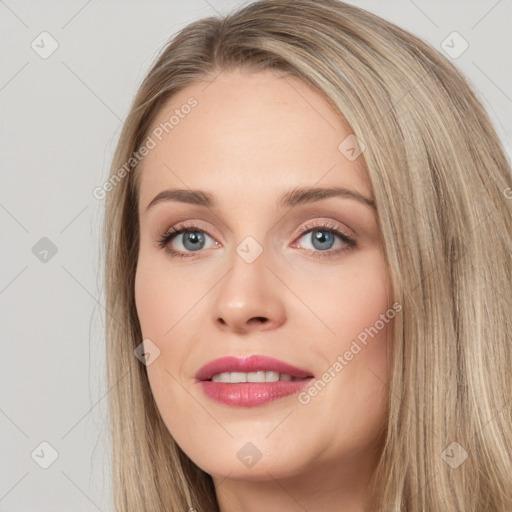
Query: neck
[[324, 487]]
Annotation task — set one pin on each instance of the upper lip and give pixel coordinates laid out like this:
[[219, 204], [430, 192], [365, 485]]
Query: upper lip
[[248, 364]]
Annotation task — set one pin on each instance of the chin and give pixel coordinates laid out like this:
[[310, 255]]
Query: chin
[[244, 461]]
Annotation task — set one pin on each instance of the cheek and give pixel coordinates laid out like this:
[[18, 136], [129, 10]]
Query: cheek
[[166, 300], [351, 394], [364, 314], [162, 302], [164, 296], [345, 300]]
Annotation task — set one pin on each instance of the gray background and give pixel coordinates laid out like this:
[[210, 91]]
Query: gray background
[[60, 120]]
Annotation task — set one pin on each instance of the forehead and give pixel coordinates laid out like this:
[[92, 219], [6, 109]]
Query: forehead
[[239, 133]]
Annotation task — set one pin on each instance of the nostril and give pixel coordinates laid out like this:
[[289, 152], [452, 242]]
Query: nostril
[[254, 320], [260, 319]]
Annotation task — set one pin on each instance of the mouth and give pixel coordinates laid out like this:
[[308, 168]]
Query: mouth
[[251, 381], [259, 376], [253, 368]]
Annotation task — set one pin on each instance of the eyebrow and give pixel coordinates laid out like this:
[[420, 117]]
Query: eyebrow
[[291, 198]]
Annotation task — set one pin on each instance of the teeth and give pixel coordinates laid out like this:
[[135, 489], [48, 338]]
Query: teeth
[[256, 377], [260, 376], [272, 376], [238, 377]]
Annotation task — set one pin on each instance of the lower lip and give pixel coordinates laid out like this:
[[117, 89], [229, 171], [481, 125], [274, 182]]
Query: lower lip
[[251, 394]]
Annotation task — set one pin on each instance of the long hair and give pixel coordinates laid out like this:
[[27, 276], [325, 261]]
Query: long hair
[[443, 189]]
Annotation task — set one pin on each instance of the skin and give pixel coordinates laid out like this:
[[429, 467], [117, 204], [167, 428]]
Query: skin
[[252, 137]]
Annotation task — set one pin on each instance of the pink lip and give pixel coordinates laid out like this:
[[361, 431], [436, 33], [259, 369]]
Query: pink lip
[[250, 394]]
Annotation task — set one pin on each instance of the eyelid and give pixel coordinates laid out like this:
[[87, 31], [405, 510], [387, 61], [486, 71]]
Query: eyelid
[[317, 223], [348, 237], [327, 224], [191, 225], [183, 227]]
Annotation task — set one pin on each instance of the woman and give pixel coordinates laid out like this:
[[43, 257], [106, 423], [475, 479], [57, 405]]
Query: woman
[[308, 274]]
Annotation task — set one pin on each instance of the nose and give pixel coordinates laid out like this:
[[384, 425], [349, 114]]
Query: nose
[[249, 298]]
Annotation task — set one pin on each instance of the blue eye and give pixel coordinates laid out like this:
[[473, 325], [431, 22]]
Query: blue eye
[[322, 238], [193, 239]]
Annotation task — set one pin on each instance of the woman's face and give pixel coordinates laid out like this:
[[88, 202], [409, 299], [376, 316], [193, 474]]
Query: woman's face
[[276, 264]]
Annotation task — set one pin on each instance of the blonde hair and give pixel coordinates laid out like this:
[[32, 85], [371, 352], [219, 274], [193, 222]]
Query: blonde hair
[[442, 185]]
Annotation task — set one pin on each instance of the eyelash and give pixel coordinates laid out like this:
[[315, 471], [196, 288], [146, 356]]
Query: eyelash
[[175, 231]]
